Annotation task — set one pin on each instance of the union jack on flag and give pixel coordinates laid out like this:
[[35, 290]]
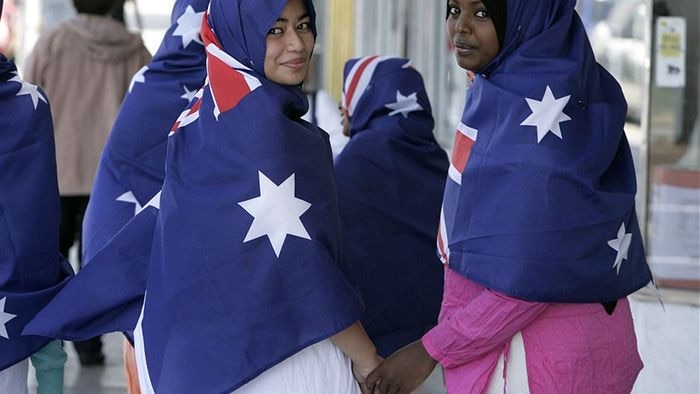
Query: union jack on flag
[[539, 203]]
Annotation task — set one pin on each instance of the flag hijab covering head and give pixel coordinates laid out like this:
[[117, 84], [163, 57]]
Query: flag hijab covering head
[[31, 268], [243, 272], [390, 178], [132, 165], [121, 216], [540, 200]]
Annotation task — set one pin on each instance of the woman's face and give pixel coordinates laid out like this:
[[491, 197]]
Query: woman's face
[[472, 33], [290, 42]]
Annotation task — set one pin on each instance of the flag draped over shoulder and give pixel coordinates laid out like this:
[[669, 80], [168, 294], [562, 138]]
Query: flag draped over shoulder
[[132, 166], [540, 201], [107, 294], [243, 272], [391, 176], [31, 268]]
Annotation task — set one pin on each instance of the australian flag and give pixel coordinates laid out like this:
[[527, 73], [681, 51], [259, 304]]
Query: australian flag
[[132, 166], [31, 269], [391, 177], [540, 199], [243, 272], [121, 216]]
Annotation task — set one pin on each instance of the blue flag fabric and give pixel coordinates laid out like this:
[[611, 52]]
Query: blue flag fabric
[[132, 166], [31, 269], [106, 295], [243, 272], [391, 177], [117, 244], [540, 203]]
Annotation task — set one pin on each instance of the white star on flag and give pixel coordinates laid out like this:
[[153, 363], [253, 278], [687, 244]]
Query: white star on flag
[[29, 89], [404, 104], [276, 213], [189, 94], [547, 114], [139, 77], [4, 318], [153, 202], [188, 26], [129, 197], [621, 244]]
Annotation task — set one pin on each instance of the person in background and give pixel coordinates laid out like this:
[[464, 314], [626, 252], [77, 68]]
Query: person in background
[[118, 12], [85, 66], [31, 269], [539, 229], [390, 177]]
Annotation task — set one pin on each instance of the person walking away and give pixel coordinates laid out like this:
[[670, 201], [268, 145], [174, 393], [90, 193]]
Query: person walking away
[[31, 269], [85, 66], [390, 179]]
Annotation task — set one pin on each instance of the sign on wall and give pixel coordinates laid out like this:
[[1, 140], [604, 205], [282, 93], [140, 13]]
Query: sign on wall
[[670, 52]]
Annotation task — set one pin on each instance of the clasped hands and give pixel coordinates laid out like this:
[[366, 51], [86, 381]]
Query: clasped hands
[[400, 373]]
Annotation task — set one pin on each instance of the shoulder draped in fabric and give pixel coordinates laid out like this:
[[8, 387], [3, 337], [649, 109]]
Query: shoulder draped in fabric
[[121, 215], [243, 272], [540, 200], [31, 268], [391, 177]]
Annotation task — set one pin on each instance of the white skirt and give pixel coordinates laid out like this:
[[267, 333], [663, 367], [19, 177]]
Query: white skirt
[[318, 369], [321, 368]]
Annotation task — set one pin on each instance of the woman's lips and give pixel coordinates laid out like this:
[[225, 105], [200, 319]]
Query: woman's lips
[[295, 64], [464, 49]]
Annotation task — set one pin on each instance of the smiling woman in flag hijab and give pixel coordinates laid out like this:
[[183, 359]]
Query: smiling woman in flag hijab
[[390, 180], [243, 291], [539, 230], [31, 268]]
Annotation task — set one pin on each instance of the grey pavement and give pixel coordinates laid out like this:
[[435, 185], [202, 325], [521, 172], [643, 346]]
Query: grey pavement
[[108, 379]]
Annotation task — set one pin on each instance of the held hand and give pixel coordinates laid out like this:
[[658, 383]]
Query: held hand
[[403, 371], [362, 370]]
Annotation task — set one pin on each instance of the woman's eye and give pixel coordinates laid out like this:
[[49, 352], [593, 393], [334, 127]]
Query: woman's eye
[[452, 10], [274, 31], [481, 14], [304, 26]]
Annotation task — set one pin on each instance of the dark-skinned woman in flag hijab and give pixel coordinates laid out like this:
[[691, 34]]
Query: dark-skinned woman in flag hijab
[[390, 178], [539, 230], [244, 293], [31, 269]]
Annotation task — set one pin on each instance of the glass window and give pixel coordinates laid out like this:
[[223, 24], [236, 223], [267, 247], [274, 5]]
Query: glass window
[[674, 209]]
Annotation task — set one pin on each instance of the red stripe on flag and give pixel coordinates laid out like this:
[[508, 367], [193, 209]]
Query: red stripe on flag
[[207, 33], [228, 85], [196, 106], [461, 151], [356, 80]]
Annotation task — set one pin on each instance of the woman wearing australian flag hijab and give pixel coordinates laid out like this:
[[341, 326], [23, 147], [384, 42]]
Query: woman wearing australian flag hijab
[[31, 268], [539, 230], [390, 178], [243, 291]]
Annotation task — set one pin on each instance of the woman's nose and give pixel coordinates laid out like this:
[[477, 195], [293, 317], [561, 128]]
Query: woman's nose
[[294, 41], [463, 24]]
